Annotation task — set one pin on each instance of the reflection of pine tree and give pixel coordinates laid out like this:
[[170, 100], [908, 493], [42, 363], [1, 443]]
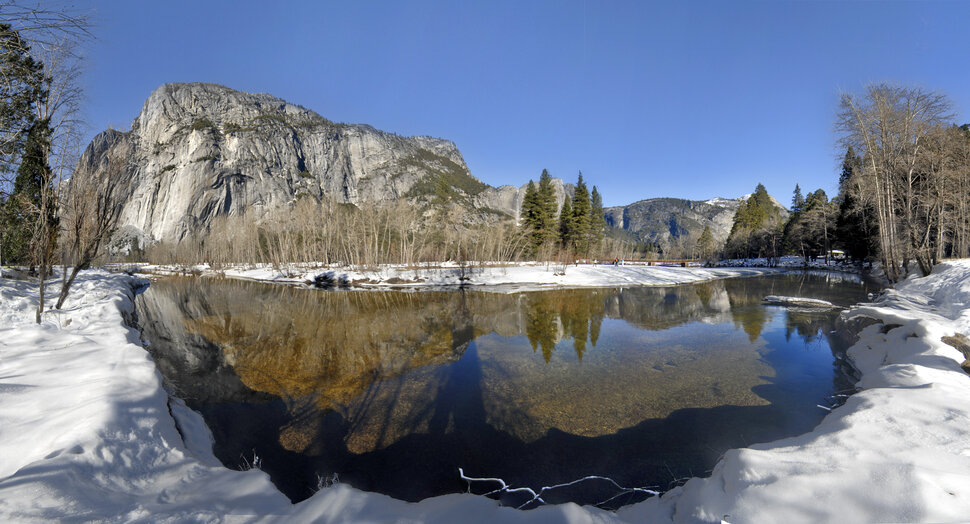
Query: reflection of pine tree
[[594, 327], [806, 325], [579, 312], [752, 319], [704, 291], [541, 327]]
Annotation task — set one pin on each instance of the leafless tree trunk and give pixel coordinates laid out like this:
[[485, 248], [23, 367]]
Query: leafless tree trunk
[[888, 125], [91, 214]]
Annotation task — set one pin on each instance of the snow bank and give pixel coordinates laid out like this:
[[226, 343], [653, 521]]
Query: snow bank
[[506, 277], [87, 432]]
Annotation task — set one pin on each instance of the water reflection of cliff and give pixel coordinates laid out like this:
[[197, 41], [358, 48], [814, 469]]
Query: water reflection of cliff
[[383, 362]]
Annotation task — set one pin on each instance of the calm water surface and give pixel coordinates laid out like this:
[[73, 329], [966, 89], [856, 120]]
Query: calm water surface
[[394, 391]]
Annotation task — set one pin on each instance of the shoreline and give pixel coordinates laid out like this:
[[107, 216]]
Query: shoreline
[[112, 444], [504, 278]]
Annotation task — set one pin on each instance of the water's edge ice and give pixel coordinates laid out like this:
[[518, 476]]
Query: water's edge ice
[[88, 432]]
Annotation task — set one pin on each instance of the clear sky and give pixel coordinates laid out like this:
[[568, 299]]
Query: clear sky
[[687, 99]]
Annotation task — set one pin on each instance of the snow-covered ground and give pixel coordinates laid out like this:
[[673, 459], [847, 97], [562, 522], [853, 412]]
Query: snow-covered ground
[[504, 277], [88, 433]]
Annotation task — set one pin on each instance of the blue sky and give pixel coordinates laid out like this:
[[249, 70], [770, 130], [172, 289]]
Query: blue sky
[[687, 99]]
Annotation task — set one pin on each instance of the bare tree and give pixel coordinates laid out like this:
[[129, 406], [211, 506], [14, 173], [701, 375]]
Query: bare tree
[[889, 126], [91, 212]]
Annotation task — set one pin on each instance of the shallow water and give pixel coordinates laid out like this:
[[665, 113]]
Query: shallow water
[[394, 391]]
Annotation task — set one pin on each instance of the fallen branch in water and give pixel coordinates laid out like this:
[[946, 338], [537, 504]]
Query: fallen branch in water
[[537, 495]]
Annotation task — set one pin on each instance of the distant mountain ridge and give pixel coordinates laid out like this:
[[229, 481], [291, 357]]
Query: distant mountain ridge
[[655, 220]]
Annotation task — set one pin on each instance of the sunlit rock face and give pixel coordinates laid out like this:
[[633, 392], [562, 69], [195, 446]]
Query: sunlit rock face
[[197, 151]]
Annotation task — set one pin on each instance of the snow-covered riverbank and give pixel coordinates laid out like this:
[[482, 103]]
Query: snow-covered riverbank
[[501, 277], [88, 433]]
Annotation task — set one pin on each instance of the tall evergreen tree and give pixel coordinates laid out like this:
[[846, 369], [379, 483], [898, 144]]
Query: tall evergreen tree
[[538, 213], [706, 243], [527, 215], [567, 225], [597, 219], [23, 208], [530, 216], [856, 230], [797, 200], [22, 86], [579, 238], [548, 210], [756, 231]]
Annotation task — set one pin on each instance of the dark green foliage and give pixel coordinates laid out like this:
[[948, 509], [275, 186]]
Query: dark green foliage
[[548, 207], [22, 210], [756, 212], [231, 127], [810, 230], [579, 234], [22, 84], [567, 225], [856, 230], [757, 228], [580, 226], [597, 221], [797, 200], [530, 205], [201, 124], [539, 214], [446, 179], [706, 244]]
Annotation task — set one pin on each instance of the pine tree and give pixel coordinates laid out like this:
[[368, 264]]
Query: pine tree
[[22, 86], [855, 225], [581, 217], [530, 216], [706, 243], [797, 200], [597, 220], [538, 214], [567, 225], [756, 229], [527, 215], [548, 209], [21, 209]]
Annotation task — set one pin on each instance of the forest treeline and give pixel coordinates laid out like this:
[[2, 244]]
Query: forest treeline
[[904, 189], [40, 142], [324, 231]]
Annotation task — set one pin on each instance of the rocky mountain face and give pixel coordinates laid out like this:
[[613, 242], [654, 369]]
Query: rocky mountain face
[[658, 219], [197, 151]]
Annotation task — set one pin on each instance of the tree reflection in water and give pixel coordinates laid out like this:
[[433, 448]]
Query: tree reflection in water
[[395, 390]]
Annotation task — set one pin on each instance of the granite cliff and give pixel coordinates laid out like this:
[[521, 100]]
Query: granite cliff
[[197, 151]]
